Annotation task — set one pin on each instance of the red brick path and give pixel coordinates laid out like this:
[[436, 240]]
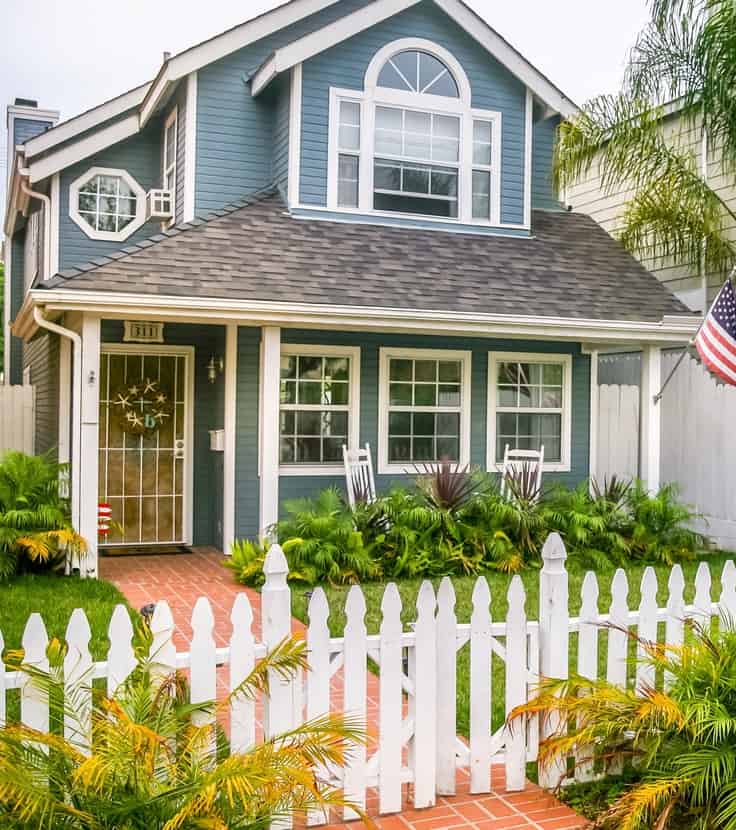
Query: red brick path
[[182, 579]]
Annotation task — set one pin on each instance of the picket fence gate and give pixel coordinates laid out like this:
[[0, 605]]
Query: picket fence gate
[[414, 739]]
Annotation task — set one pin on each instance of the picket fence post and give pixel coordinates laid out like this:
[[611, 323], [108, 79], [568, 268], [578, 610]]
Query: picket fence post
[[553, 636], [390, 702], [242, 661], [446, 688], [78, 683], [203, 672], [276, 626], [425, 699]]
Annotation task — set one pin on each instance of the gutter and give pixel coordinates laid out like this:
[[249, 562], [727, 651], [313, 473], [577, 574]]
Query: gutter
[[76, 477]]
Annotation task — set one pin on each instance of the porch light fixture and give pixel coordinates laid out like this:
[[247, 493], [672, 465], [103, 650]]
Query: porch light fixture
[[215, 367]]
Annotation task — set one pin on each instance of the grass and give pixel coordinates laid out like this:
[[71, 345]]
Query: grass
[[499, 584]]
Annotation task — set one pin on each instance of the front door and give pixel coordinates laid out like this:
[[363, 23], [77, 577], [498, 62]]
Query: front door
[[145, 443]]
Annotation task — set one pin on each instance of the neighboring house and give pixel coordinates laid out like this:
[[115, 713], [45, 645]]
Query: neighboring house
[[607, 207], [333, 224]]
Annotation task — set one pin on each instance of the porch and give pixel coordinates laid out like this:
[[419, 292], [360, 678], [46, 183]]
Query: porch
[[281, 402]]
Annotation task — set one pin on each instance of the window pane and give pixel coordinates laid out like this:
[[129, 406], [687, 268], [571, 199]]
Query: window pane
[[425, 370], [417, 146], [399, 423], [552, 374], [400, 394], [551, 397], [444, 85], [508, 372], [349, 138], [407, 64], [417, 122], [126, 207], [399, 449], [332, 449], [87, 202], [445, 149], [448, 448], [449, 396], [444, 184], [288, 366], [448, 423], [390, 78], [482, 142], [424, 423], [288, 391], [335, 423], [423, 449], [425, 395], [415, 205], [288, 422], [481, 194], [287, 450], [449, 371], [388, 143], [308, 423], [336, 393], [446, 126], [429, 69], [389, 118], [310, 367], [308, 450], [400, 369], [386, 177], [350, 113], [347, 181], [337, 368], [310, 392], [416, 180]]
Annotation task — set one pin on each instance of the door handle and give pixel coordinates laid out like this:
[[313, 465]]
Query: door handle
[[179, 448]]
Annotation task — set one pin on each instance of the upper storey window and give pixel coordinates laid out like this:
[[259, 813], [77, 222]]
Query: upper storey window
[[107, 204], [411, 144]]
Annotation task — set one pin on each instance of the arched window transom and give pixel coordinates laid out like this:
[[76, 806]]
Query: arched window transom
[[416, 71], [411, 143]]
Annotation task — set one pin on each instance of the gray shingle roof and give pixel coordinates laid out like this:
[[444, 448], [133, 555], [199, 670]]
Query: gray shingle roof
[[257, 251]]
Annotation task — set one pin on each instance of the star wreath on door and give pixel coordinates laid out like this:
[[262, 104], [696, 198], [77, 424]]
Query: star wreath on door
[[142, 407]]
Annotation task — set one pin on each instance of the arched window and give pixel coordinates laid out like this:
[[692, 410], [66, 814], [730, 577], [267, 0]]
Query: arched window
[[411, 143]]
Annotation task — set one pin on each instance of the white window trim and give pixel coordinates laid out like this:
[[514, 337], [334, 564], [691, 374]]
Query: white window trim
[[352, 352], [386, 354], [494, 358], [167, 164], [372, 96], [109, 236]]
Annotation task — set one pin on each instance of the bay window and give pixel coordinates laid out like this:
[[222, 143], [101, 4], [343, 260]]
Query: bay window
[[424, 408], [319, 409], [529, 401], [411, 143]]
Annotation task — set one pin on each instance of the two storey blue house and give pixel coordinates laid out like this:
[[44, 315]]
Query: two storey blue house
[[333, 224]]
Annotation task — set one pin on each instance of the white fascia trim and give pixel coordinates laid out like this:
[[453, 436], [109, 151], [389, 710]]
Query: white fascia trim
[[384, 355], [541, 86], [563, 466], [55, 209], [353, 352], [295, 135], [224, 44], [528, 156], [323, 39], [251, 312], [85, 121], [82, 149], [190, 148]]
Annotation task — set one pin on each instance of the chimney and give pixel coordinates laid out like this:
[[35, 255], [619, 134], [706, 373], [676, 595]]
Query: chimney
[[167, 55], [24, 121]]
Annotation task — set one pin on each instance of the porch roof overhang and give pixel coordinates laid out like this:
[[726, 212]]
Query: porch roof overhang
[[671, 330]]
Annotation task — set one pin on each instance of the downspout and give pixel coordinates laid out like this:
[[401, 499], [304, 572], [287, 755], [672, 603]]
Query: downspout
[[46, 200], [76, 477]]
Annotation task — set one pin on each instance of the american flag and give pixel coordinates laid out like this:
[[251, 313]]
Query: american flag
[[716, 339]]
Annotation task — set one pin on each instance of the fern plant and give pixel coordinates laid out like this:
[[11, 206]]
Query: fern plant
[[35, 523], [158, 762]]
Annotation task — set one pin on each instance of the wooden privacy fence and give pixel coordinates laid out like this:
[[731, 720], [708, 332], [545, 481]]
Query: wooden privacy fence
[[413, 735], [17, 418], [618, 431]]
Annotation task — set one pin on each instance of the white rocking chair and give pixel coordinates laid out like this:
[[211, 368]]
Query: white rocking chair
[[514, 460], [359, 480]]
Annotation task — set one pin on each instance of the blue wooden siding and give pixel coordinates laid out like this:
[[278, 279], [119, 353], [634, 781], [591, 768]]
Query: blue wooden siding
[[543, 192], [27, 128], [140, 156], [246, 515], [208, 414], [234, 130], [281, 135], [344, 65], [16, 277]]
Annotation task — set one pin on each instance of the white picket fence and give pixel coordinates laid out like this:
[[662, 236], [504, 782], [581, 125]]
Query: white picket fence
[[413, 737], [17, 418]]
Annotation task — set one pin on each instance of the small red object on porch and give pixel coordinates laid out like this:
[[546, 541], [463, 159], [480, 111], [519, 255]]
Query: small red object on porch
[[104, 516]]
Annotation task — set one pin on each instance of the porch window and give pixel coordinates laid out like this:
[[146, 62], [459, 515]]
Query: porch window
[[529, 406], [424, 408], [319, 406]]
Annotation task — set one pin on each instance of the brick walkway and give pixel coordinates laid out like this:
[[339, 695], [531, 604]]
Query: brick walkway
[[182, 579]]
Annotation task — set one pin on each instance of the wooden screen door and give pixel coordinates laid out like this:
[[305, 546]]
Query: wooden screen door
[[146, 478]]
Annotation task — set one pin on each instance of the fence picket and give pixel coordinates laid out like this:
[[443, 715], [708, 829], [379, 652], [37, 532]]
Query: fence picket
[[34, 700], [354, 696], [78, 683], [120, 657], [3, 709], [390, 702], [480, 688], [203, 670], [276, 625], [425, 697], [587, 655], [318, 676], [727, 600], [242, 661], [163, 650], [617, 639], [446, 688], [516, 644], [675, 615], [702, 603], [647, 628]]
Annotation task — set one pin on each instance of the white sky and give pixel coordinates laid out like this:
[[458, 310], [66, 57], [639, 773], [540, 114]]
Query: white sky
[[71, 55]]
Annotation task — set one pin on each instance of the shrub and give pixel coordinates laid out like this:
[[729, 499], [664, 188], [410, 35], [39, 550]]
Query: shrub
[[35, 524], [682, 742], [659, 533], [159, 762]]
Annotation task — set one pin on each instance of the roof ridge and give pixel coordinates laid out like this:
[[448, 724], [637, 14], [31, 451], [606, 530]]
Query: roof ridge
[[161, 236]]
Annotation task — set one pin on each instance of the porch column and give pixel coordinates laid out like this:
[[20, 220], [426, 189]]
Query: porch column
[[64, 453], [89, 450], [269, 432], [229, 425], [650, 420], [594, 415]]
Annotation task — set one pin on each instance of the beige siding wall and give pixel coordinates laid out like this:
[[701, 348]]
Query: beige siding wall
[[608, 208]]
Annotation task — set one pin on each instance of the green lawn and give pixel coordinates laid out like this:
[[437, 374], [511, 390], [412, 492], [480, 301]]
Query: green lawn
[[499, 584], [55, 597]]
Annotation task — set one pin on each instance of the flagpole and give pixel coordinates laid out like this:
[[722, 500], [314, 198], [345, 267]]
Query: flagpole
[[659, 394]]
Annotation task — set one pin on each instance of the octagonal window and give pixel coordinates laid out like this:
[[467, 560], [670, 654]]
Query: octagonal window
[[107, 204]]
